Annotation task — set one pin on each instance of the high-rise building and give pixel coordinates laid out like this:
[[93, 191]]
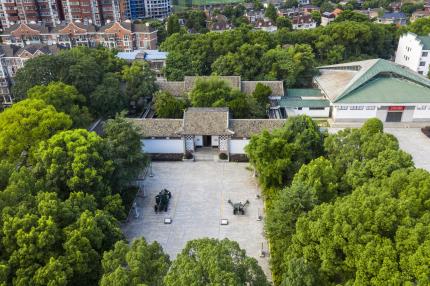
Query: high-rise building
[[83, 10], [135, 9], [98, 12], [157, 8]]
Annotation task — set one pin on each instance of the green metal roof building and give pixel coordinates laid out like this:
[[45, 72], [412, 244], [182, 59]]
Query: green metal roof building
[[307, 101], [375, 88]]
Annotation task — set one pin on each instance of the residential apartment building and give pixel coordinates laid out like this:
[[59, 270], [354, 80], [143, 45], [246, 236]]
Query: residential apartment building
[[303, 22], [98, 12], [414, 52], [123, 36], [157, 9], [29, 11], [12, 58]]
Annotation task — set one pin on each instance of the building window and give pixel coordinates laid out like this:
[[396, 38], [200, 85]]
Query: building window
[[316, 108], [342, 107], [424, 54], [422, 64], [356, 107], [299, 108], [421, 107], [420, 72], [370, 107]]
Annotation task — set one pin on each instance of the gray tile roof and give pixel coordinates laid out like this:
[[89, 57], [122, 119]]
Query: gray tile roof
[[233, 81], [277, 87], [176, 88], [206, 121], [247, 127], [158, 127]]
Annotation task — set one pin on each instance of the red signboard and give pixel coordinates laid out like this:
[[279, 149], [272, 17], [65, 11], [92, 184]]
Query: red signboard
[[396, 108]]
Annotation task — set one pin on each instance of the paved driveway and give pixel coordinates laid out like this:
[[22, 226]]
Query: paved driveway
[[413, 141], [200, 192]]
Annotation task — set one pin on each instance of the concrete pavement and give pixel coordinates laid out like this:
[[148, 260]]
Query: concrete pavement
[[200, 191]]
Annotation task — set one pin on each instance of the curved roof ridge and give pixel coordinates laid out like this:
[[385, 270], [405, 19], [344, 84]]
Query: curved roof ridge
[[380, 66]]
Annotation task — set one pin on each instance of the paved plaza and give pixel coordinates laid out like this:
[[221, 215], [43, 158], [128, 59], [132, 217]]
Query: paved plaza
[[200, 191], [412, 141]]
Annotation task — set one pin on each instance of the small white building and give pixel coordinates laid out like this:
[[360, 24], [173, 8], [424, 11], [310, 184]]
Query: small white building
[[169, 139], [308, 101], [414, 52], [378, 88]]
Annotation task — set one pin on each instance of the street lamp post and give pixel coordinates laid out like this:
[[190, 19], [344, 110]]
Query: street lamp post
[[150, 169]]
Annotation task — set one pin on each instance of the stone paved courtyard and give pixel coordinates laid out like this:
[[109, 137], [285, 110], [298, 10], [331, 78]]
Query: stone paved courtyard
[[200, 191]]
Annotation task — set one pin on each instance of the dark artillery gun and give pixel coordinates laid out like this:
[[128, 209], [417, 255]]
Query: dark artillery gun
[[162, 200], [238, 208]]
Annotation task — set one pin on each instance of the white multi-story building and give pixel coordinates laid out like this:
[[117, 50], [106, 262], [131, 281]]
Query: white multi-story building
[[414, 52]]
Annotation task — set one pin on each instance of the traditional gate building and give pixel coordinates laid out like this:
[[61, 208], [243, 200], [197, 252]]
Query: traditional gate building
[[201, 128]]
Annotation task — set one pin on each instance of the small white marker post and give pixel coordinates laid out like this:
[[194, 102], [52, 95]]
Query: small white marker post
[[259, 216], [262, 253]]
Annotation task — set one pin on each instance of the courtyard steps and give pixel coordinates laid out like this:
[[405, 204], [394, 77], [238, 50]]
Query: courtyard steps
[[206, 154]]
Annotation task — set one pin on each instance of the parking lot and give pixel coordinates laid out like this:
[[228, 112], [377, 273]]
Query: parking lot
[[200, 191]]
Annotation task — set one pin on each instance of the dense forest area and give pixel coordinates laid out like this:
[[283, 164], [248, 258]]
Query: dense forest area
[[285, 55], [345, 208]]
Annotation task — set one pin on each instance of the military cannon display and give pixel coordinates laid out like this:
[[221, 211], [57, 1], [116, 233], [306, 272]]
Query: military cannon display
[[238, 208], [162, 200]]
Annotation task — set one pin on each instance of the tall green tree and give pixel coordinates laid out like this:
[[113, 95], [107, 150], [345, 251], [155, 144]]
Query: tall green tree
[[169, 106], [210, 261], [37, 71], [140, 264], [139, 84], [25, 124], [107, 100], [75, 160], [283, 22], [271, 12], [124, 143], [65, 98], [277, 156], [173, 24]]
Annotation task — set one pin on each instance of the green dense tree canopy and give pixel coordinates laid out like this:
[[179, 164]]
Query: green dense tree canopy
[[65, 98], [173, 24], [169, 106], [354, 160], [211, 262], [375, 236], [284, 22], [107, 100], [107, 82], [215, 92], [239, 51], [271, 12], [75, 160], [124, 143], [140, 264], [277, 156], [139, 84], [25, 124]]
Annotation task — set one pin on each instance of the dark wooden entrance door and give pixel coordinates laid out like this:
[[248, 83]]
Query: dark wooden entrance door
[[394, 116], [207, 140]]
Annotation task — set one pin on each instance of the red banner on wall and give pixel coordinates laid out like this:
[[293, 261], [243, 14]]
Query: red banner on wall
[[396, 108]]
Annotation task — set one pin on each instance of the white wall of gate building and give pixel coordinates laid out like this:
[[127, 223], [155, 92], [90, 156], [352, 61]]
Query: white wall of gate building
[[163, 146]]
